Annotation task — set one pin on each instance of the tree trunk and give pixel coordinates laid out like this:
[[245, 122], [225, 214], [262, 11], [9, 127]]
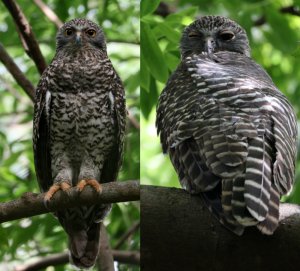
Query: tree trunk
[[179, 233]]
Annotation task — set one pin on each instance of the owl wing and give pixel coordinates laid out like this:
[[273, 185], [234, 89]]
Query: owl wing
[[114, 160], [41, 134], [219, 124]]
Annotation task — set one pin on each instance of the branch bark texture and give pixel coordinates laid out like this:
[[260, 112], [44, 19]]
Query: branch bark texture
[[19, 76], [27, 36], [179, 233], [31, 204]]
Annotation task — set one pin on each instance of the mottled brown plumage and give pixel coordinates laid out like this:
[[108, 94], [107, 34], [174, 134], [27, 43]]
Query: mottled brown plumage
[[78, 133], [230, 133]]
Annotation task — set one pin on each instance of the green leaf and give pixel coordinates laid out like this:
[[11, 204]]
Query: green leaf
[[144, 74], [148, 6], [152, 54], [169, 32], [172, 61], [286, 41]]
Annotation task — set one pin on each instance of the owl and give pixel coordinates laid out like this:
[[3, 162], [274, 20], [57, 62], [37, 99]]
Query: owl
[[78, 130], [230, 133]]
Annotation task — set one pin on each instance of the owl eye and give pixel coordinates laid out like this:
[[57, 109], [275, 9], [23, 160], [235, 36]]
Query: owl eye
[[194, 34], [91, 32], [68, 32], [227, 35]]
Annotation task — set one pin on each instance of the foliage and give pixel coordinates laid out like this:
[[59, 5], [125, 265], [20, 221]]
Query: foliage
[[42, 235], [274, 39]]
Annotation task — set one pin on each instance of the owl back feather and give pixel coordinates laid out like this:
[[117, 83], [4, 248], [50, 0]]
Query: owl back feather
[[218, 120]]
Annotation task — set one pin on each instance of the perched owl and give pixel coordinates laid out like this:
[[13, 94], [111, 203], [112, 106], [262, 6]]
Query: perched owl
[[78, 130], [230, 133]]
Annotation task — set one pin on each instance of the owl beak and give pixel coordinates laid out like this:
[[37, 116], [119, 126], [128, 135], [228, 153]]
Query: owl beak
[[78, 38], [209, 45]]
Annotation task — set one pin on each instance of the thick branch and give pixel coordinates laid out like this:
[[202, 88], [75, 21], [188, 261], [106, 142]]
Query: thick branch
[[179, 233], [130, 257], [31, 204], [31, 45], [16, 72]]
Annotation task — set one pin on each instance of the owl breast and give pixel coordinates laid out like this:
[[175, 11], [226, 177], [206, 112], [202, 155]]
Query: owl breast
[[81, 118]]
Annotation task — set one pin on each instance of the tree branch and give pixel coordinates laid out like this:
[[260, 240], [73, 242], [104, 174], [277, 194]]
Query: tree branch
[[16, 72], [29, 41], [105, 259], [49, 13], [31, 204], [130, 257], [126, 235], [179, 233], [133, 120]]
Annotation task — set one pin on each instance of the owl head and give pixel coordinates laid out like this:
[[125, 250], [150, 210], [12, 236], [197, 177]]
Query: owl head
[[79, 33], [211, 34]]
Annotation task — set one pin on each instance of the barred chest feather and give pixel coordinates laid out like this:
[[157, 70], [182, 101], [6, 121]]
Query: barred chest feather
[[80, 110]]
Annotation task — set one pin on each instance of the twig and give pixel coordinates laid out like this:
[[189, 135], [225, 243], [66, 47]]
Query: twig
[[30, 43], [291, 10], [16, 72], [125, 236], [49, 13], [130, 257], [31, 204], [55, 259], [105, 259], [133, 120]]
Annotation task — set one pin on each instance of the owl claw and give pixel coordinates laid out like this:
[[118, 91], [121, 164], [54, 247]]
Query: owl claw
[[92, 182], [64, 186]]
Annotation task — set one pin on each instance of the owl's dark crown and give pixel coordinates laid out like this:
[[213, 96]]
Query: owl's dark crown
[[80, 33], [210, 34]]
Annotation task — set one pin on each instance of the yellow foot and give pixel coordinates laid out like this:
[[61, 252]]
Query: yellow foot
[[92, 182], [64, 186]]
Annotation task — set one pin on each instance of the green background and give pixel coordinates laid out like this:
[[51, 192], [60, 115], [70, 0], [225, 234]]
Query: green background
[[30, 238]]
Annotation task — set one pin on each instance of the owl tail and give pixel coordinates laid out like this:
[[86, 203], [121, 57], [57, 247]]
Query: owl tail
[[84, 245]]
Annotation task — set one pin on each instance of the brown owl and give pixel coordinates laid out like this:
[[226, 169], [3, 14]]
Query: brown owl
[[78, 130]]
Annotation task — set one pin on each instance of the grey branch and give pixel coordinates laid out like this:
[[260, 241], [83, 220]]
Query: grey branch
[[20, 78], [29, 41], [130, 257], [105, 259], [31, 204], [179, 233]]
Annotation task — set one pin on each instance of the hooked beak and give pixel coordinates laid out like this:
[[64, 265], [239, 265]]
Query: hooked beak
[[209, 45], [78, 38]]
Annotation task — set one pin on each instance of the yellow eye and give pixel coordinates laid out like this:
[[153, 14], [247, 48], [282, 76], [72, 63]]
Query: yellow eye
[[91, 32], [68, 32]]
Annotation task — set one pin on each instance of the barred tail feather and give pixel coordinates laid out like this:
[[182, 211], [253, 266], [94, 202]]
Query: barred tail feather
[[269, 225], [213, 202], [257, 179], [239, 208]]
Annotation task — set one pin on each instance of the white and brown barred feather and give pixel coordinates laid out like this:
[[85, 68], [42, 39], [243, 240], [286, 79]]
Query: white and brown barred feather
[[231, 136]]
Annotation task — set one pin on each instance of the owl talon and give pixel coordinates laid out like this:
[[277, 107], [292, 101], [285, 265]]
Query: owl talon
[[92, 182], [64, 186]]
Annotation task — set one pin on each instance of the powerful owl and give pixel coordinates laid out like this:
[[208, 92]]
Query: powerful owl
[[78, 130], [230, 133]]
